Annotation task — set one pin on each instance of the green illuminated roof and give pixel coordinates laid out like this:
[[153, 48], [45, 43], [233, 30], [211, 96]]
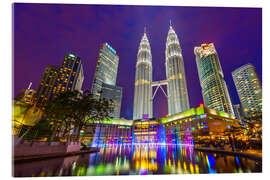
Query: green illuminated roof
[[116, 122], [190, 112], [196, 111]]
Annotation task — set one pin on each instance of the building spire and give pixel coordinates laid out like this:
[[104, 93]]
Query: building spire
[[144, 30], [29, 85], [170, 23]]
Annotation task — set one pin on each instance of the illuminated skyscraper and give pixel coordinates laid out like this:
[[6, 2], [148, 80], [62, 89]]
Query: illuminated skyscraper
[[214, 89], [47, 83], [106, 70], [178, 100], [249, 89], [104, 84], [143, 80], [70, 75], [56, 79]]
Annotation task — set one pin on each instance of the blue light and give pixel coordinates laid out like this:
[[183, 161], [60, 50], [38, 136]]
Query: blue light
[[110, 48], [203, 116], [229, 126]]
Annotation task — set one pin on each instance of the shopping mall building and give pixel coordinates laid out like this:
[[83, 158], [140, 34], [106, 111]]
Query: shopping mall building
[[188, 127]]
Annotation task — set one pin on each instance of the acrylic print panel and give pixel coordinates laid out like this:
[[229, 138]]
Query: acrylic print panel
[[136, 90]]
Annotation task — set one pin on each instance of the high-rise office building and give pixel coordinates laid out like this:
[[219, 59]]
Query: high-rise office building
[[104, 84], [249, 89], [56, 79], [113, 93], [106, 70], [143, 89], [47, 83], [238, 111], [178, 100], [214, 89], [70, 76]]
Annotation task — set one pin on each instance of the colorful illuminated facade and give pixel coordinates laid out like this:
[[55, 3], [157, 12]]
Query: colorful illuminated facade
[[104, 84], [147, 131], [249, 89], [198, 124], [214, 89], [178, 100], [186, 128], [143, 89], [108, 132]]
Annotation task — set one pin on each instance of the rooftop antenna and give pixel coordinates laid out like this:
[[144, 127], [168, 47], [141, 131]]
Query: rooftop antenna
[[170, 22], [144, 30], [30, 84]]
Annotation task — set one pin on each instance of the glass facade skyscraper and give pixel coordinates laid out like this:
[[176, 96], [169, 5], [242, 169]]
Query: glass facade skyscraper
[[143, 79], [214, 89], [249, 89], [115, 94], [104, 84], [106, 69], [178, 100]]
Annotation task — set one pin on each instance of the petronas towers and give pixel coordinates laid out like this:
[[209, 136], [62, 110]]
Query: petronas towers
[[143, 80], [176, 77], [177, 94]]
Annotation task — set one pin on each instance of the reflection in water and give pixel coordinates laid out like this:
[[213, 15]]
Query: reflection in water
[[139, 159]]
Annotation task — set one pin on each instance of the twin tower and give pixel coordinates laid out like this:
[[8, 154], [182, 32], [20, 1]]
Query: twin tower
[[177, 93]]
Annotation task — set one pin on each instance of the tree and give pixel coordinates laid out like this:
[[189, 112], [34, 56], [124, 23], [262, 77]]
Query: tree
[[253, 125], [86, 108], [59, 111], [72, 108]]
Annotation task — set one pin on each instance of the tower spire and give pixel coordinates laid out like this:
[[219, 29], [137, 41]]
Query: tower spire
[[29, 85], [170, 22], [144, 30]]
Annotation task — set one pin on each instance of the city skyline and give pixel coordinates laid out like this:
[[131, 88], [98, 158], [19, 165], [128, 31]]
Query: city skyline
[[238, 54]]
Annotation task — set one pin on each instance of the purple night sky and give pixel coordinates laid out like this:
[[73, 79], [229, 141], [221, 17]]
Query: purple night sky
[[44, 33]]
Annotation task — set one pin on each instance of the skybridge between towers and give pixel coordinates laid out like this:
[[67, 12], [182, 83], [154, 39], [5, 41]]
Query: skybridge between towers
[[159, 84]]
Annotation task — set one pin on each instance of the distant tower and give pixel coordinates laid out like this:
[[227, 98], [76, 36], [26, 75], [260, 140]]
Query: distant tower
[[143, 80], [47, 83], [238, 111], [114, 93], [27, 95], [249, 89], [214, 89], [178, 100], [104, 84]]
